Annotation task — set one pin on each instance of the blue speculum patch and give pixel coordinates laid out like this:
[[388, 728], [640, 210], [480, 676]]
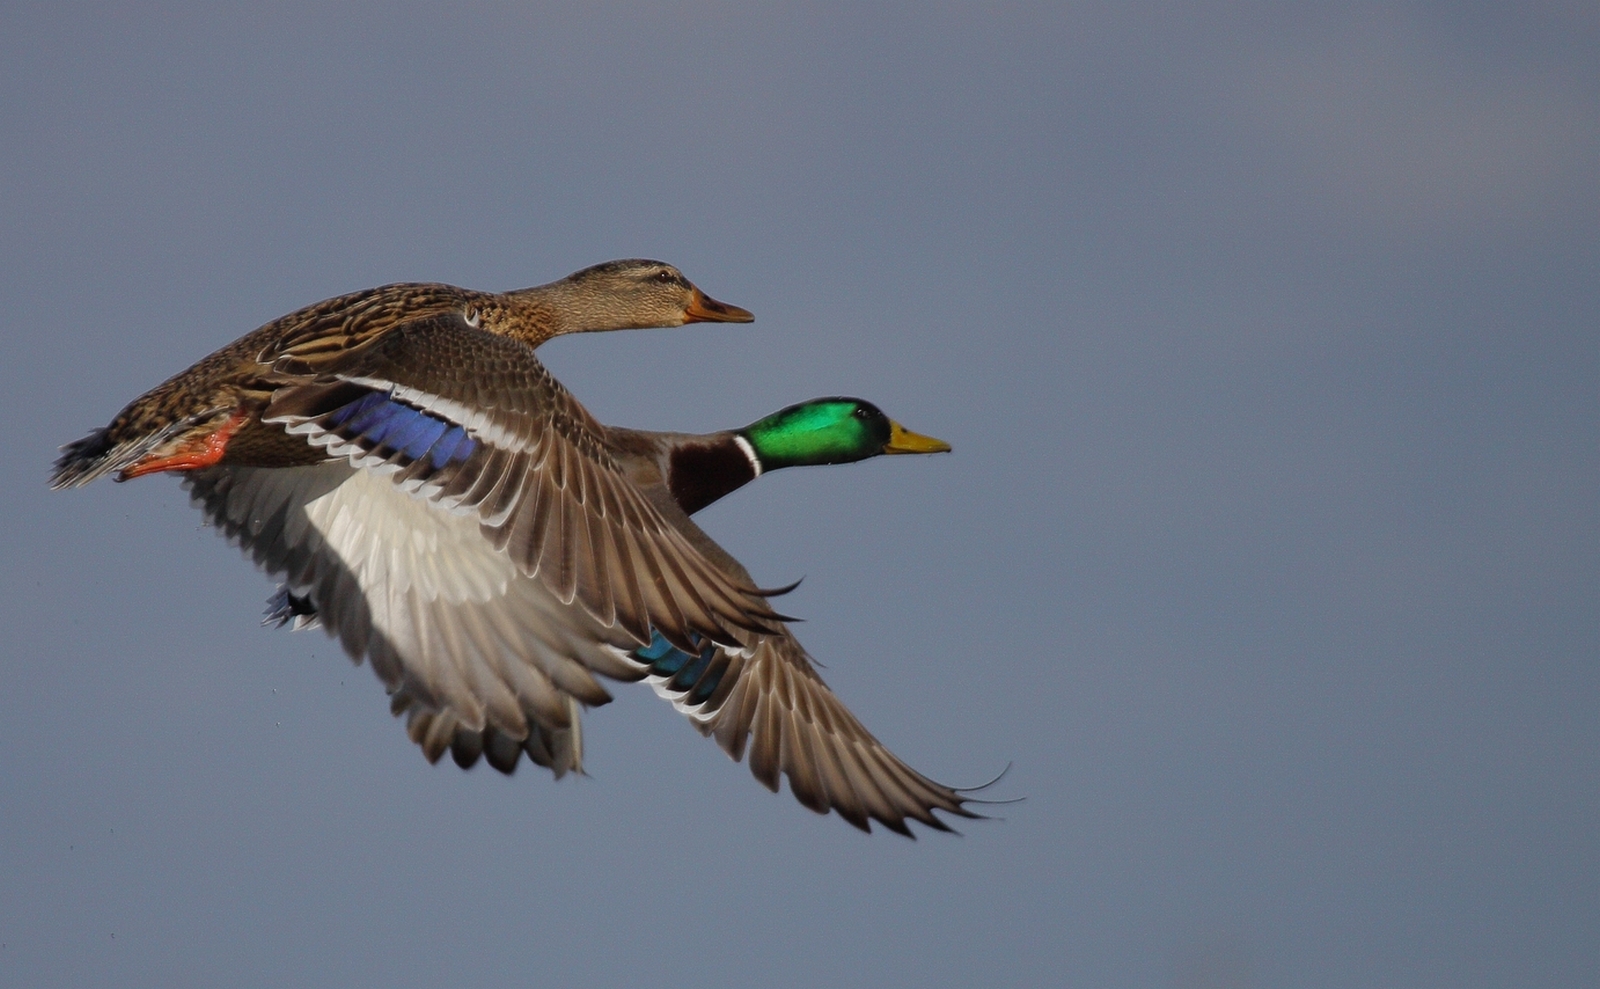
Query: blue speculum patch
[[356, 409], [455, 445], [685, 670], [376, 419]]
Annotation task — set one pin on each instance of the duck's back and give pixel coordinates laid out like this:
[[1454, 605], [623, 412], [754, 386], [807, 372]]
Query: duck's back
[[241, 377]]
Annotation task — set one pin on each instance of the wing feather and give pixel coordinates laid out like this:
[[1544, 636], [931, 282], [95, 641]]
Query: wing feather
[[576, 565], [765, 701], [534, 468], [449, 630]]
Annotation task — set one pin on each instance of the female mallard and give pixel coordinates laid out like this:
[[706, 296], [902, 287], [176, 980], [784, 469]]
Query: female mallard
[[473, 418], [766, 691], [210, 413]]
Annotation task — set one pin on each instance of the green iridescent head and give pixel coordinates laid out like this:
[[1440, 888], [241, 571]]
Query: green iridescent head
[[832, 431]]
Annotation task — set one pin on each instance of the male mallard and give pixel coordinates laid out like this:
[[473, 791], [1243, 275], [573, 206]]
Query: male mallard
[[767, 693], [768, 690], [210, 413]]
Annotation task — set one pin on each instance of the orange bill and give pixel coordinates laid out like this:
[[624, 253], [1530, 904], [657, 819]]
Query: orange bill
[[702, 308]]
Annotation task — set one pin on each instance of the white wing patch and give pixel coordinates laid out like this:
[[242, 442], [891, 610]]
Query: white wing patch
[[694, 712], [396, 543]]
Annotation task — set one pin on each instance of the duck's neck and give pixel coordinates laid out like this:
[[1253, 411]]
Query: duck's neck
[[705, 469], [702, 469], [545, 311]]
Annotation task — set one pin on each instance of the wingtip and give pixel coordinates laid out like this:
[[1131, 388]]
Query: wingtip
[[986, 801], [777, 592]]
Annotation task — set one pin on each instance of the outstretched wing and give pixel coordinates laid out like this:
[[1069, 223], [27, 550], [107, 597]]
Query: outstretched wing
[[764, 698], [767, 698], [448, 627], [473, 423], [772, 704]]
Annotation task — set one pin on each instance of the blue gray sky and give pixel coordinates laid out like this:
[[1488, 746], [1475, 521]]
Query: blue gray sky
[[1268, 556]]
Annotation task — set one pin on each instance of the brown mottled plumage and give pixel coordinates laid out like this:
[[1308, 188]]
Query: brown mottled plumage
[[546, 491], [227, 390]]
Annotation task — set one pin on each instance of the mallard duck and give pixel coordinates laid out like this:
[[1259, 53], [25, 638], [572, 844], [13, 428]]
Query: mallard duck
[[768, 691], [458, 518], [210, 413]]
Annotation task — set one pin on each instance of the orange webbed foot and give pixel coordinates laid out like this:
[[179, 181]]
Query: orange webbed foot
[[203, 451]]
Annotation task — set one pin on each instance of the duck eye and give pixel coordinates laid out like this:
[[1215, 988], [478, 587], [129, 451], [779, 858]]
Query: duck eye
[[665, 277]]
